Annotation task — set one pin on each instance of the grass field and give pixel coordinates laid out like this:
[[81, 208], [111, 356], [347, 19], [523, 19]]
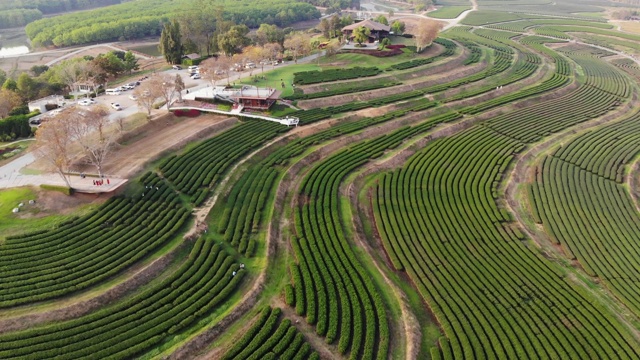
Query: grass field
[[151, 50], [30, 217], [276, 77], [448, 12]]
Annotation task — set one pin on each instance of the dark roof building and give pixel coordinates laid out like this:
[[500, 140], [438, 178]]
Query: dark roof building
[[378, 31], [256, 98]]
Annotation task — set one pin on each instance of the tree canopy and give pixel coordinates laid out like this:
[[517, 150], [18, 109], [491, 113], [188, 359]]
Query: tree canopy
[[143, 18], [361, 34], [171, 42], [21, 12]]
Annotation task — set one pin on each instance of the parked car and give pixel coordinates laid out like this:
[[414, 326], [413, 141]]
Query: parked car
[[86, 102], [176, 67], [196, 76], [116, 106], [193, 68]]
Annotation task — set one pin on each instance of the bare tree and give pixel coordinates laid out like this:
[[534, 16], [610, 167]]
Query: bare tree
[[223, 66], [331, 49], [146, 95], [53, 143], [272, 51], [425, 33], [165, 86], [299, 44], [87, 128], [120, 121], [212, 69], [179, 84]]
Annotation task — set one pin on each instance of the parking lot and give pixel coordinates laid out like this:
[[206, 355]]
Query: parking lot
[[130, 107]]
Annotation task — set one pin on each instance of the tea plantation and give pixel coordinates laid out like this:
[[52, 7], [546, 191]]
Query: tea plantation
[[477, 201]]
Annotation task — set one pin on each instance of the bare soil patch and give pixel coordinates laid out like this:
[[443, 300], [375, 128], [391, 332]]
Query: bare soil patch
[[152, 140], [56, 203]]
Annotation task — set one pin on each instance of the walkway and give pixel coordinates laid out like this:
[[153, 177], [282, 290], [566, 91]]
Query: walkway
[[206, 107], [11, 177]]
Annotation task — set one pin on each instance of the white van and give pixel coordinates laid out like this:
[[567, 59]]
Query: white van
[[193, 68], [112, 92]]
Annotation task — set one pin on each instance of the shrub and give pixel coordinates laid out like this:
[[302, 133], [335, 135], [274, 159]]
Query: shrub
[[187, 113]]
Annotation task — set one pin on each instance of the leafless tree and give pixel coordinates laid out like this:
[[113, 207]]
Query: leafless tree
[[425, 33], [87, 128], [146, 95], [272, 51], [165, 86], [299, 44], [212, 69], [179, 84], [53, 143]]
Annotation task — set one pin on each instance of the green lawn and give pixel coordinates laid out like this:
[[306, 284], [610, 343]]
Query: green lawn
[[27, 220], [275, 77], [448, 12], [151, 50], [364, 60], [18, 148]]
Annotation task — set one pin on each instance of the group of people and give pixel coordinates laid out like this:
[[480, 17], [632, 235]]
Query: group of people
[[100, 182]]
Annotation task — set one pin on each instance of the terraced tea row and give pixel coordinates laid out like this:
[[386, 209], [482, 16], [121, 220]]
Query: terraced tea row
[[331, 286], [138, 323], [203, 166], [493, 296], [579, 199], [91, 249], [271, 338], [604, 90]]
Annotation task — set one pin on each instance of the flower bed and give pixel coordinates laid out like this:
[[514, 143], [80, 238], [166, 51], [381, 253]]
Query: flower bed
[[376, 53], [187, 113]]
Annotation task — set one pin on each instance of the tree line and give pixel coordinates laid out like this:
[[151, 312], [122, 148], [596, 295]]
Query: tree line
[[335, 5], [21, 12], [144, 18]]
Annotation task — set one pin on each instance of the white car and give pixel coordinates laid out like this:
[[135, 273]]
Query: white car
[[86, 102], [116, 106], [133, 97], [195, 76]]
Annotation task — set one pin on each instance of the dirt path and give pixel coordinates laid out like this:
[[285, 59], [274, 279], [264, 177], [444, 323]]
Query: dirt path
[[408, 322], [326, 351], [522, 173], [75, 306], [200, 342]]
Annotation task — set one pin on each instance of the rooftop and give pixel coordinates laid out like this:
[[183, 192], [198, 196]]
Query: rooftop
[[372, 25]]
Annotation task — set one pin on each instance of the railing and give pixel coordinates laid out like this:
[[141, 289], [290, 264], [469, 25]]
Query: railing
[[288, 120]]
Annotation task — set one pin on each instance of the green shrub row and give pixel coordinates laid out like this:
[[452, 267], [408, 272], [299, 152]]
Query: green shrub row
[[317, 76]]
